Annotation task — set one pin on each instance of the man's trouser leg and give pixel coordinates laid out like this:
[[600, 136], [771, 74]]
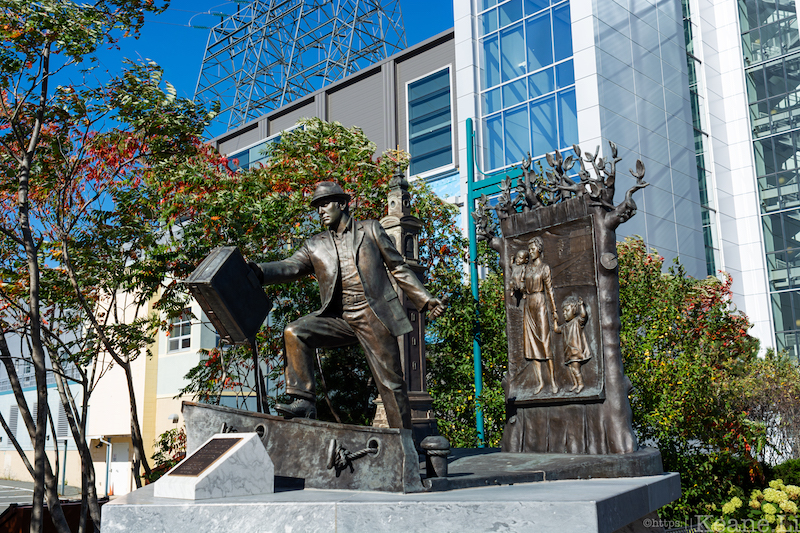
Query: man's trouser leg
[[301, 339], [383, 357]]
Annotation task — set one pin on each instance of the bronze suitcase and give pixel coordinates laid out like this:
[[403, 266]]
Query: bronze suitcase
[[230, 295]]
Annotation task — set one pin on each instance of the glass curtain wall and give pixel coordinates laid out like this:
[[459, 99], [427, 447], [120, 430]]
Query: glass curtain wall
[[771, 47], [697, 93], [527, 84]]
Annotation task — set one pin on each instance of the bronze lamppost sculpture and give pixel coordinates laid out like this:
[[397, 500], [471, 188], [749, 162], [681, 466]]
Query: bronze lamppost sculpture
[[352, 261]]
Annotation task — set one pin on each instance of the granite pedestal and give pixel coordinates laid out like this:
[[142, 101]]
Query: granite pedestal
[[594, 505]]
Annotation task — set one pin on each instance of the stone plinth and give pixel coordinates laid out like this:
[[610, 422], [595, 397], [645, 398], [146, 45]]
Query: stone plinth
[[596, 505]]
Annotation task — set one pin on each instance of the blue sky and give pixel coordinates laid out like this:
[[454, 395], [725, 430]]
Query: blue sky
[[176, 39]]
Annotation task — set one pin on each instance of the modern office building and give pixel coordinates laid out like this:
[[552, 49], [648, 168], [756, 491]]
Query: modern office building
[[744, 61], [703, 91], [535, 77]]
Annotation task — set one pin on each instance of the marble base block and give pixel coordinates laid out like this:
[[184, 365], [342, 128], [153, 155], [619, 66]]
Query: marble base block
[[244, 469], [586, 506]]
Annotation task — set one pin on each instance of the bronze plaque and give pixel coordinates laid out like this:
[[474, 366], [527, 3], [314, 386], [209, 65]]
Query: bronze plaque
[[206, 456], [554, 341]]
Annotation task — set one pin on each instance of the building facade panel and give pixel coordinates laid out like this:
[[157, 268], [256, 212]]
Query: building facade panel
[[285, 119], [241, 138], [360, 103]]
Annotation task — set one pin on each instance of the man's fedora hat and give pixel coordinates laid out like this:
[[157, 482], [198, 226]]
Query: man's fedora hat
[[327, 191]]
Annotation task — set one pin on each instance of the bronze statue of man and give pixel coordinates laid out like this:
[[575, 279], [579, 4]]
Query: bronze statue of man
[[352, 261]]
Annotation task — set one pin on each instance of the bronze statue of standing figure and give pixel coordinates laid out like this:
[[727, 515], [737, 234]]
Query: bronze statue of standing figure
[[576, 346], [537, 294], [352, 261]]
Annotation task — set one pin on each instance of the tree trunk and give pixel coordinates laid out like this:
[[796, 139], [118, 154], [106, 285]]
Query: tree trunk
[[139, 457], [89, 489], [47, 479], [124, 363], [616, 415]]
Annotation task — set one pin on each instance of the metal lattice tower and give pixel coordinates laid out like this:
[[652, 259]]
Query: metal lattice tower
[[272, 52]]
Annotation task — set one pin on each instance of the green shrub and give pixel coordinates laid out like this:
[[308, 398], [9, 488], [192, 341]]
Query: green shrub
[[788, 471]]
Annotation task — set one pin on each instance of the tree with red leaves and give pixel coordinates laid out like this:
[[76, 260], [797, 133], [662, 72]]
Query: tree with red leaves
[[689, 356], [73, 216]]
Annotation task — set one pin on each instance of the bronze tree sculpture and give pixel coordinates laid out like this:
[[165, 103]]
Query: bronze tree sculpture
[[572, 199]]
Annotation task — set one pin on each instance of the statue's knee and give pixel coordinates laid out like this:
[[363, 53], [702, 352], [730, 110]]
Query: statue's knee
[[290, 331], [294, 332]]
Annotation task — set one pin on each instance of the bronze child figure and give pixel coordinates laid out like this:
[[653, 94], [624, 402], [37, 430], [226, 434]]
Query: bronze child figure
[[576, 347], [352, 261], [518, 271]]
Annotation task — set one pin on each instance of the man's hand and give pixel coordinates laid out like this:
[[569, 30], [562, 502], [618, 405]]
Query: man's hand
[[436, 307], [257, 271]]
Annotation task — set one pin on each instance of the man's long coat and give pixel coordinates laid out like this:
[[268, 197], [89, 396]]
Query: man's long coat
[[376, 257]]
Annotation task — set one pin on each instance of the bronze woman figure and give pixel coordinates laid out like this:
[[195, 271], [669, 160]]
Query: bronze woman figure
[[538, 292]]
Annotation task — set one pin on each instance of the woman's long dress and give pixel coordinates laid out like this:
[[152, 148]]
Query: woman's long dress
[[536, 318]]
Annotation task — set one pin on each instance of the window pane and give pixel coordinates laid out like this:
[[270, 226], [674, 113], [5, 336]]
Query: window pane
[[486, 4], [240, 160], [789, 189], [768, 192], [532, 6], [488, 22], [543, 126], [431, 151], [429, 85], [515, 93], [512, 48], [510, 12], [562, 32], [541, 83], [778, 275], [789, 36], [490, 74], [186, 343], [773, 233], [567, 118], [493, 143], [516, 134], [765, 161], [430, 113], [791, 228], [491, 101], [776, 82], [540, 44], [793, 264], [786, 310], [429, 122], [565, 74], [751, 49], [173, 345]]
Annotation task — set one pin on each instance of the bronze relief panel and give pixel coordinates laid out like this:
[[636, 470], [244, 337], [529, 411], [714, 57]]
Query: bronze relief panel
[[554, 341]]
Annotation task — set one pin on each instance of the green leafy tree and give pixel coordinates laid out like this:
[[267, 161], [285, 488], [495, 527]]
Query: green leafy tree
[[687, 352], [73, 160], [170, 449], [451, 371]]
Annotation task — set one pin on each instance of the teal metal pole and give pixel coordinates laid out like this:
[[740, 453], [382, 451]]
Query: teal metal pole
[[473, 277]]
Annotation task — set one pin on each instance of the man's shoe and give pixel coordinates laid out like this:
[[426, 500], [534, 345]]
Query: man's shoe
[[299, 408]]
